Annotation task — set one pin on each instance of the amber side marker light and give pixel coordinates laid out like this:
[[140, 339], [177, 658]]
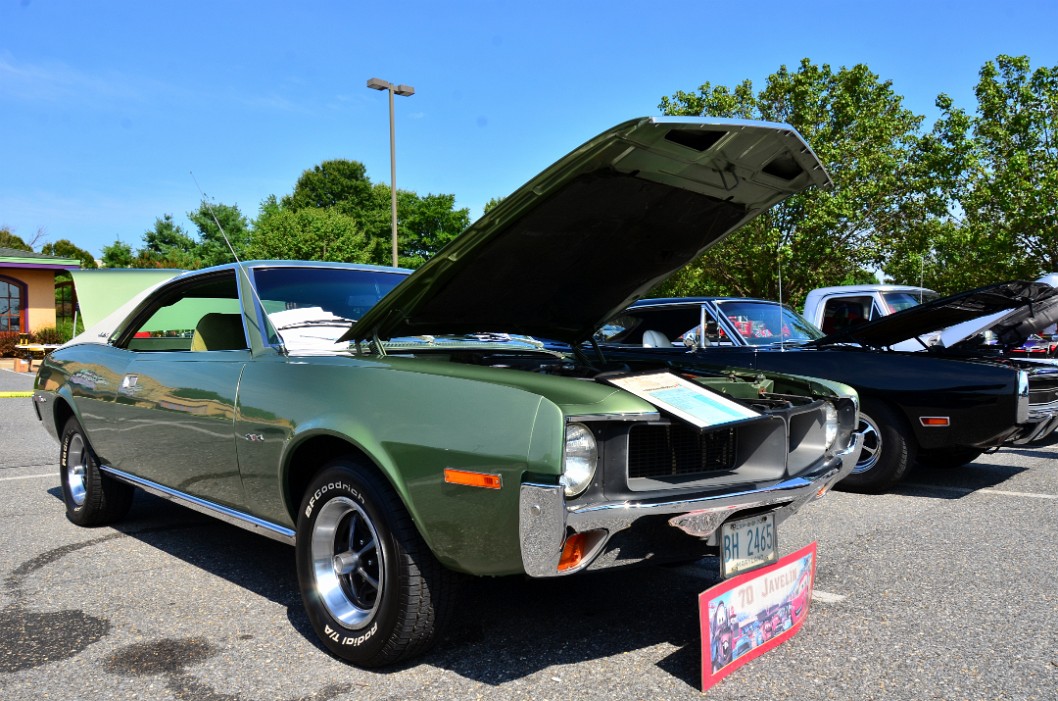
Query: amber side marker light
[[931, 421], [472, 479]]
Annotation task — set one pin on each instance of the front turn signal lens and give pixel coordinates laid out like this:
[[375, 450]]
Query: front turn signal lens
[[467, 478], [573, 551]]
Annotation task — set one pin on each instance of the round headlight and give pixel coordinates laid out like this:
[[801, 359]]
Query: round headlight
[[579, 459], [830, 428]]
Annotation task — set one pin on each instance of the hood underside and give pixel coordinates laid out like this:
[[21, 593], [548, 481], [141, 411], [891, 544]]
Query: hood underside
[[599, 228], [1011, 310]]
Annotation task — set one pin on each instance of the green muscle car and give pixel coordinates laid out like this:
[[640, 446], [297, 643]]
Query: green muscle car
[[402, 429]]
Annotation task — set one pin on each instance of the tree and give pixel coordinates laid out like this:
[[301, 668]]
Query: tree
[[336, 183], [997, 175], [167, 245], [8, 239], [864, 136], [118, 255], [359, 224], [212, 248], [307, 234], [425, 224], [428, 224], [65, 248]]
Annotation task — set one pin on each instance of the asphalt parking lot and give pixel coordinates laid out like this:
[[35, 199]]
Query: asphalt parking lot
[[946, 588]]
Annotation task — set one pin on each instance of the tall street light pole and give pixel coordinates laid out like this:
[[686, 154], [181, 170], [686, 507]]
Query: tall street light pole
[[379, 84]]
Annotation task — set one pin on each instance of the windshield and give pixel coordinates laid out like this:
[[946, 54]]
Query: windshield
[[761, 323], [899, 301], [313, 307]]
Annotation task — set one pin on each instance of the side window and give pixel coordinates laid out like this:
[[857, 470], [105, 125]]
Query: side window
[[616, 329], [840, 314], [714, 335], [713, 331], [202, 315]]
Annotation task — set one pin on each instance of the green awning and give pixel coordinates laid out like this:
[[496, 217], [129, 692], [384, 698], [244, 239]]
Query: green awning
[[100, 292]]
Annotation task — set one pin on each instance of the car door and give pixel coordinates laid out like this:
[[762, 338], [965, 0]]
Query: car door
[[173, 411]]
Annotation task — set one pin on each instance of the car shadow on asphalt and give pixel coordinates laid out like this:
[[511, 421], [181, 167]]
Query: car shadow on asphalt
[[513, 627], [503, 629], [955, 482], [253, 562]]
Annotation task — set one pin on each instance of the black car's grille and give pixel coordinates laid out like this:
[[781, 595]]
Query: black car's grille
[[678, 450], [1042, 392]]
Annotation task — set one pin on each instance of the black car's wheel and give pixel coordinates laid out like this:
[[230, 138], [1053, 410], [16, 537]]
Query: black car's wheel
[[372, 589], [946, 459], [92, 498], [888, 450]]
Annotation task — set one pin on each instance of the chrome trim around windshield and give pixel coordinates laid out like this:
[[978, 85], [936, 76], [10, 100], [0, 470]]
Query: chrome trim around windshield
[[224, 513]]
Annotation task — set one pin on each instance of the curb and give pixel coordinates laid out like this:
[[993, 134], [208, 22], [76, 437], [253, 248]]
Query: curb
[[16, 394]]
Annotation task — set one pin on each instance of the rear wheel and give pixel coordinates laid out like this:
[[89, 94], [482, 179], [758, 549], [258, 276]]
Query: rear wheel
[[372, 589], [888, 450], [92, 498]]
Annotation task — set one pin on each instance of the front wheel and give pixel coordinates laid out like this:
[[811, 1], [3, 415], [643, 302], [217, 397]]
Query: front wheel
[[92, 498], [888, 450], [373, 591]]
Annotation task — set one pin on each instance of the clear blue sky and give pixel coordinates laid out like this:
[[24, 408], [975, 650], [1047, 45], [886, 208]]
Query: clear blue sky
[[108, 106]]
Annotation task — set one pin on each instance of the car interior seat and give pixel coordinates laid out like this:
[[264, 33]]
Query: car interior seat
[[216, 331], [655, 339]]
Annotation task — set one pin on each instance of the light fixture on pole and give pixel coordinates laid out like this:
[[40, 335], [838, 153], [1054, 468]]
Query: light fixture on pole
[[379, 84]]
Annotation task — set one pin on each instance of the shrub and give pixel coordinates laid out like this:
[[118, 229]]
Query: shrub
[[49, 334], [8, 341]]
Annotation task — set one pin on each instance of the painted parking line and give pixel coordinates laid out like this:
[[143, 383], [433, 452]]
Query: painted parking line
[[826, 597], [1031, 495], [27, 477], [965, 491], [16, 394]]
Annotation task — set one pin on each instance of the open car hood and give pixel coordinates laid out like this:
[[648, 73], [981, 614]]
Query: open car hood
[[1011, 310], [599, 228]]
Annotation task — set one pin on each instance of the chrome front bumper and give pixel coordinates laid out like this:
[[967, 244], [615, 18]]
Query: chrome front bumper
[[545, 519]]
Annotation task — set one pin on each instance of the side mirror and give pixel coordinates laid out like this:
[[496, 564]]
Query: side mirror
[[690, 340]]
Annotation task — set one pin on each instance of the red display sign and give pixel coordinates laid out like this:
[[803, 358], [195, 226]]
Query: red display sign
[[744, 617]]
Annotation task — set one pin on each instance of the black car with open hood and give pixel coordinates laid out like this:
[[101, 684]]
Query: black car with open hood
[[920, 399]]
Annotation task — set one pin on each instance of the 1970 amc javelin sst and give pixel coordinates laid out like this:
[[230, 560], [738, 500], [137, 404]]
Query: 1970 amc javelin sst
[[401, 429]]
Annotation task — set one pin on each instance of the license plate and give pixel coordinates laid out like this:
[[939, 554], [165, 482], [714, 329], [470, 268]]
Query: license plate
[[747, 543]]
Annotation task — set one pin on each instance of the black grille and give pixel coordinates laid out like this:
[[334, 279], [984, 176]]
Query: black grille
[[1042, 391], [678, 450]]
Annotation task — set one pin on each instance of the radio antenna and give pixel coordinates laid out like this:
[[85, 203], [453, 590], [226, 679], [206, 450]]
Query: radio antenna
[[213, 213], [238, 263], [778, 264]]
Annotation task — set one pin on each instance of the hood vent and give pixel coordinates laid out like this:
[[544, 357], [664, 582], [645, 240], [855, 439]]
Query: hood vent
[[698, 139]]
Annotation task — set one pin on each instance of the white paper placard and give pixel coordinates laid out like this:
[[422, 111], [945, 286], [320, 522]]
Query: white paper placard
[[689, 401]]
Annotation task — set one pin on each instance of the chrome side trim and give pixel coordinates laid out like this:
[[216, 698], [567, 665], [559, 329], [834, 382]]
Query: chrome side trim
[[644, 416], [224, 513]]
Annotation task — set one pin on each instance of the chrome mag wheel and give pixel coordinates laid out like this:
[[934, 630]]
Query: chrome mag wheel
[[76, 468], [347, 562], [872, 445]]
